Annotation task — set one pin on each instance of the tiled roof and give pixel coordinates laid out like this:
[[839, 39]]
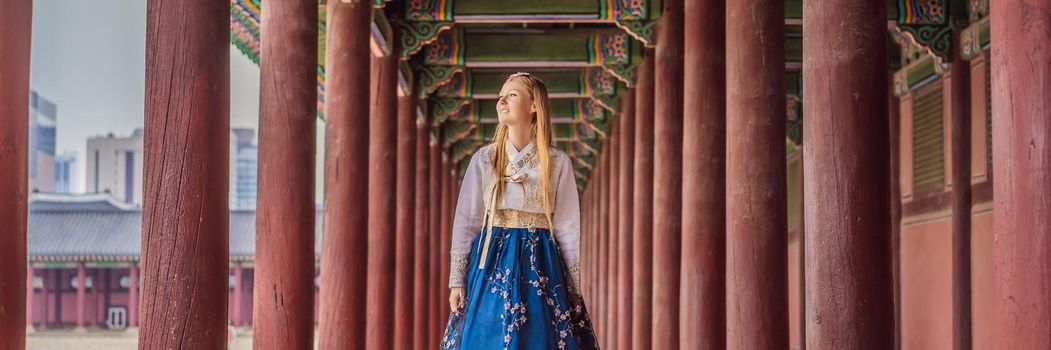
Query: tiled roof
[[91, 229], [80, 202], [242, 233], [84, 233]]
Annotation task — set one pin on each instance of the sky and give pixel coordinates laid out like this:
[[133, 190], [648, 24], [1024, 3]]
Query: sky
[[89, 58]]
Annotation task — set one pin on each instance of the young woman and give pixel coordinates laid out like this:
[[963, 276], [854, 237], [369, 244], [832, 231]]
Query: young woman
[[515, 271]]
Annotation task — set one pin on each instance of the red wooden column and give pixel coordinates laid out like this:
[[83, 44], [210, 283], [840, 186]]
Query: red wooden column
[[586, 238], [607, 240], [612, 235], [444, 226], [236, 318], [596, 298], [894, 127], [344, 254], [596, 241], [457, 181], [756, 177], [81, 294], [626, 196], [593, 268], [434, 214], [133, 295], [596, 237], [405, 224], [443, 259], [583, 243], [97, 307], [56, 275], [958, 86], [1021, 65], [642, 213], [702, 315], [452, 196], [603, 240], [383, 127], [16, 17], [185, 218], [667, 175], [29, 297], [422, 288], [849, 286], [283, 297]]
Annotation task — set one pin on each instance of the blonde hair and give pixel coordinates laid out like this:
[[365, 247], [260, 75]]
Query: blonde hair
[[543, 134]]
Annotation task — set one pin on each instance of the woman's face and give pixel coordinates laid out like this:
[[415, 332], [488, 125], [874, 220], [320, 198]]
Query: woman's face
[[515, 106]]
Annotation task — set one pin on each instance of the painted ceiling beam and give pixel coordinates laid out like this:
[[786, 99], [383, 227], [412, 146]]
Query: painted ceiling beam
[[586, 112], [608, 48], [486, 82], [635, 18]]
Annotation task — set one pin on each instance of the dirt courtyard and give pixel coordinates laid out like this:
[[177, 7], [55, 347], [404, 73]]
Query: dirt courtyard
[[107, 340]]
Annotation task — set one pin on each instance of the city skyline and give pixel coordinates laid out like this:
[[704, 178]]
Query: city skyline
[[101, 91], [43, 115], [115, 165]]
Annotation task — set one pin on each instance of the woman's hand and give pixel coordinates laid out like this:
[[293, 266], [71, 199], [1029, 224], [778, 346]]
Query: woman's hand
[[456, 300]]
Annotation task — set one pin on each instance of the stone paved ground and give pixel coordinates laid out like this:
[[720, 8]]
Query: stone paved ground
[[104, 340]]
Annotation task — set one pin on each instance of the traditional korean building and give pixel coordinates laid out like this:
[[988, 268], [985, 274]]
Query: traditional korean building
[[96, 238], [754, 174]]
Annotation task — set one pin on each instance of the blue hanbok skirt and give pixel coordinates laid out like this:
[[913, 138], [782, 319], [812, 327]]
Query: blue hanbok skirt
[[520, 299]]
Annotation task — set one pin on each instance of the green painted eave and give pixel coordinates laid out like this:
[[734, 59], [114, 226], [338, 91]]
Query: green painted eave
[[526, 47], [532, 7], [556, 82], [552, 9], [921, 71], [507, 43], [485, 83]]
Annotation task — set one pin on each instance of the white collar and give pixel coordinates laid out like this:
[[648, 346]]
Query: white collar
[[517, 155]]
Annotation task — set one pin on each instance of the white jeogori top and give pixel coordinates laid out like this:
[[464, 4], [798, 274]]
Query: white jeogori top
[[526, 196]]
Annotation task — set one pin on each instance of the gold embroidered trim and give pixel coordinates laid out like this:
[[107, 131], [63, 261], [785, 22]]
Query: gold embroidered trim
[[573, 270], [535, 197], [457, 270], [510, 218], [529, 161]]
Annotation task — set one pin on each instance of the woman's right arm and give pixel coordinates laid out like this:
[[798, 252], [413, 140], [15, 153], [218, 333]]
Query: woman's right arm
[[467, 222]]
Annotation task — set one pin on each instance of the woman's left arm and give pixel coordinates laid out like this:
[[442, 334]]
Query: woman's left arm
[[566, 220]]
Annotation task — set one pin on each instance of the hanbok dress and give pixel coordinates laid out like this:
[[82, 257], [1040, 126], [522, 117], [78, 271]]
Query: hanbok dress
[[520, 269]]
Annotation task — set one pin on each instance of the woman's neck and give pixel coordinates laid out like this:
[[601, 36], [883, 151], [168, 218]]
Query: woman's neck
[[520, 135]]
